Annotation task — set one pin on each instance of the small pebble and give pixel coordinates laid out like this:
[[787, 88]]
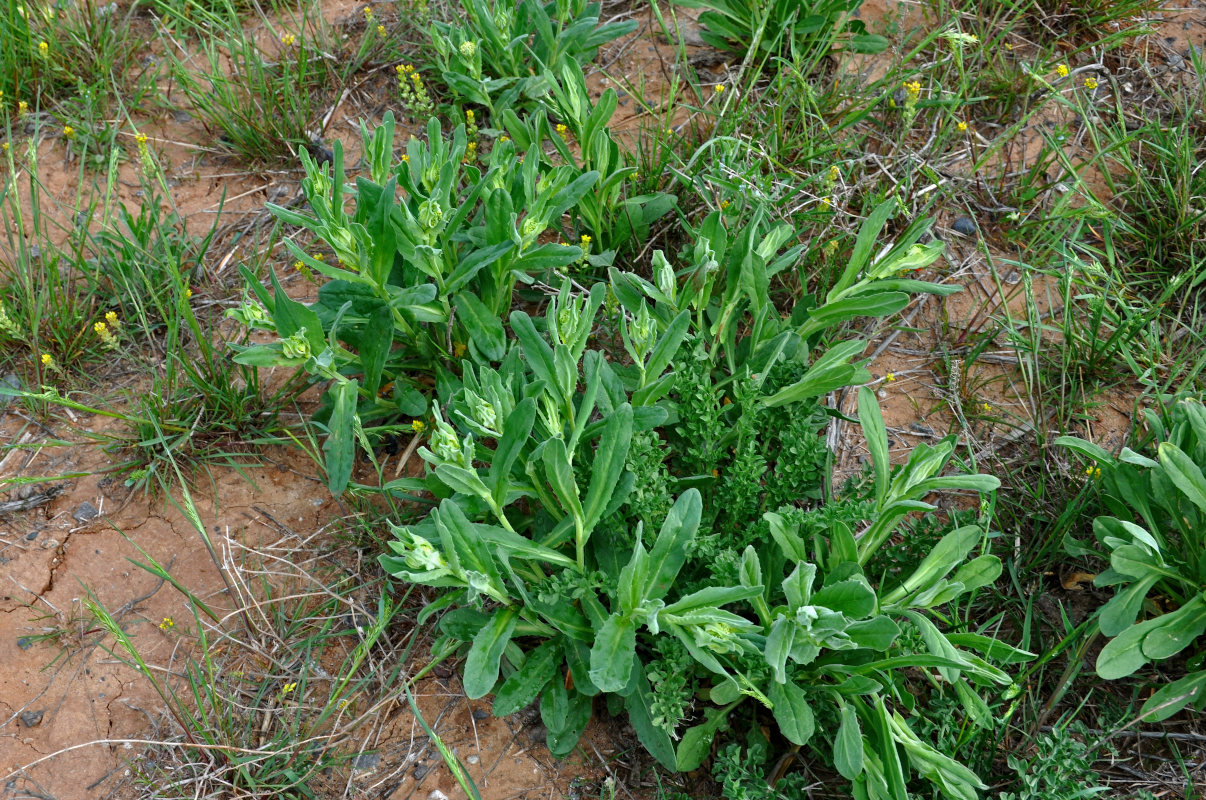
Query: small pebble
[[882, 395], [29, 537], [85, 512], [472, 760], [25, 643], [366, 762], [437, 795], [32, 719], [964, 226], [480, 714], [50, 544], [1013, 277]]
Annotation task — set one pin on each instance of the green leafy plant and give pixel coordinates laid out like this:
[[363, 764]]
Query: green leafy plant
[[420, 279], [611, 217], [767, 28], [540, 534], [1154, 539], [500, 55]]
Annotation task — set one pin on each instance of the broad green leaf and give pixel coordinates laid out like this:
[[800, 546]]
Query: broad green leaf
[[1173, 697], [608, 465], [1177, 630], [565, 713], [792, 711], [1123, 654], [481, 665], [525, 684], [829, 372], [670, 549], [639, 702], [516, 430], [696, 743], [876, 436], [848, 745], [560, 475], [484, 327], [854, 598], [613, 653], [339, 449], [778, 646], [867, 236], [1123, 608], [1184, 473], [978, 572]]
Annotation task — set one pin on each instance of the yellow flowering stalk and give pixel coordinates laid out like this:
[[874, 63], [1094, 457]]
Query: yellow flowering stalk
[[108, 340], [144, 155], [49, 363], [961, 126], [412, 91], [417, 426], [1090, 83], [1062, 70], [288, 40], [44, 49], [68, 132], [167, 624], [7, 326], [584, 243], [381, 30]]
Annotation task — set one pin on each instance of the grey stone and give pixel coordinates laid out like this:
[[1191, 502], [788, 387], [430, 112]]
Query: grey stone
[[25, 643], [366, 762], [85, 513], [437, 795], [480, 714], [964, 225], [32, 719], [472, 760]]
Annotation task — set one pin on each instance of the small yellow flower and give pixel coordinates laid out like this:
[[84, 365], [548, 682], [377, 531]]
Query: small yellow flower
[[1090, 82], [141, 139], [167, 624], [834, 173], [586, 240], [458, 350], [961, 126], [724, 204], [188, 293], [891, 376], [504, 138], [912, 90], [826, 203], [1062, 70], [380, 30], [406, 158], [986, 408], [288, 687], [47, 360], [1093, 472], [317, 256], [44, 49], [111, 318], [562, 130], [417, 426], [22, 108], [718, 88], [288, 40], [368, 13], [636, 176], [69, 131]]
